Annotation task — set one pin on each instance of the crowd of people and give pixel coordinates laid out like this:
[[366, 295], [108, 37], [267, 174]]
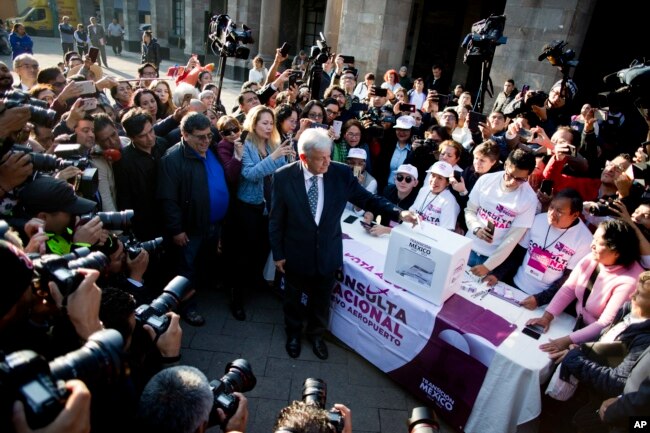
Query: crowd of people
[[160, 179]]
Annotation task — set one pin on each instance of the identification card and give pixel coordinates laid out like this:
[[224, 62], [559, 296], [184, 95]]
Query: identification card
[[538, 262]]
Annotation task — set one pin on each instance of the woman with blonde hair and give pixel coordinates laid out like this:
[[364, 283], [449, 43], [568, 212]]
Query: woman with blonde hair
[[164, 92], [263, 154]]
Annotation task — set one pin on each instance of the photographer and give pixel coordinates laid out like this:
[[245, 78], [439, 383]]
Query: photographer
[[180, 400], [125, 272], [301, 417]]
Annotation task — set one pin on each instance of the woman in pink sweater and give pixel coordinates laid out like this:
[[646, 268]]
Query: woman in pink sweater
[[614, 253]]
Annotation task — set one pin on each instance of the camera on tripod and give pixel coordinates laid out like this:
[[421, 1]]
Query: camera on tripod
[[154, 314], [314, 392], [628, 86], [226, 40], [320, 52], [557, 55], [28, 377], [62, 269], [239, 377]]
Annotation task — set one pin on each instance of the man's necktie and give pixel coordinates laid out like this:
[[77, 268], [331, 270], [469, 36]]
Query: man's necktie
[[312, 195]]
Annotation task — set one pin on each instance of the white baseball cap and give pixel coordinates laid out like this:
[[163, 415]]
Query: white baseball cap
[[442, 168], [405, 122], [357, 153], [408, 169]]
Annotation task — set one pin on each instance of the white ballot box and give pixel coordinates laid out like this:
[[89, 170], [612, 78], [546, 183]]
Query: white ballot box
[[427, 262]]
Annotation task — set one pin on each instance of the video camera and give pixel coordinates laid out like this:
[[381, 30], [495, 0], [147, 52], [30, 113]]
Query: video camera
[[629, 85], [320, 52], [110, 220], [239, 377], [557, 55], [226, 40], [62, 269], [314, 392], [154, 314], [39, 111], [423, 420], [28, 377], [486, 35]]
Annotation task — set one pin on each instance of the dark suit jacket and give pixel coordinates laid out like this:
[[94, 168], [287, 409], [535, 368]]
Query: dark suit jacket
[[311, 249]]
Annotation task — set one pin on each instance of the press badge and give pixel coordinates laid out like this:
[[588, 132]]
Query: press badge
[[538, 262]]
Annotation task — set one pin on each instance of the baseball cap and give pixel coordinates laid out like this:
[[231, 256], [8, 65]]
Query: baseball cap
[[408, 169], [357, 153], [17, 272], [405, 122], [570, 86], [403, 69], [47, 194], [442, 168]]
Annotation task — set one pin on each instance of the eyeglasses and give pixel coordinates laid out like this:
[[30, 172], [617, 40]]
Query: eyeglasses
[[29, 65], [315, 116], [352, 134], [229, 132], [332, 112], [401, 178], [509, 176], [207, 137], [149, 74]]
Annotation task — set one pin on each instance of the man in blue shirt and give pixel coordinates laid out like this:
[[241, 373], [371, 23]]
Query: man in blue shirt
[[194, 197]]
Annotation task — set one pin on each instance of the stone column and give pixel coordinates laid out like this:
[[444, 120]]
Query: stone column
[[269, 27], [332, 23], [132, 36], [161, 22], [195, 26]]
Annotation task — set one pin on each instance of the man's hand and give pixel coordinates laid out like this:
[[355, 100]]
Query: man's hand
[[479, 270], [13, 119], [603, 407], [83, 304], [409, 217], [529, 303], [180, 112], [484, 235], [77, 112], [68, 173], [237, 422], [347, 417], [138, 266], [279, 58], [70, 91], [169, 342], [279, 265], [89, 233], [15, 168], [106, 82], [74, 418], [181, 239]]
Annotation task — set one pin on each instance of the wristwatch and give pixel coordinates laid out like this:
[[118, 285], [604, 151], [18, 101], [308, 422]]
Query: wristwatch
[[476, 229]]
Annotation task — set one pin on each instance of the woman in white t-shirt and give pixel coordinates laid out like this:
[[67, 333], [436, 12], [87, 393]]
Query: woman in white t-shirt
[[258, 73], [436, 205]]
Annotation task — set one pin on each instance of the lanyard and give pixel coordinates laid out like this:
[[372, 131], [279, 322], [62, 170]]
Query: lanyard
[[426, 205], [557, 239]]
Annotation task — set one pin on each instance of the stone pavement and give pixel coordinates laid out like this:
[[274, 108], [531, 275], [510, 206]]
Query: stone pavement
[[378, 404]]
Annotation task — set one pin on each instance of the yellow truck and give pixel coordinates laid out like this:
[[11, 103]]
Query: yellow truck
[[41, 17]]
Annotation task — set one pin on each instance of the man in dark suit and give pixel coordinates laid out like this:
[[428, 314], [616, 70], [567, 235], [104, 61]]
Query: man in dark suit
[[97, 36], [309, 197]]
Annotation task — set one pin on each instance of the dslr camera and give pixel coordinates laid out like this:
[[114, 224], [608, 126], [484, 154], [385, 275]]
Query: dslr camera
[[28, 377], [314, 392], [110, 220], [62, 269], [239, 377], [154, 314], [39, 111], [423, 420], [601, 208], [133, 246], [50, 163]]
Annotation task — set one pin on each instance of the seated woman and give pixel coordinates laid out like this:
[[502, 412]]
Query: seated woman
[[601, 282], [402, 194], [436, 204]]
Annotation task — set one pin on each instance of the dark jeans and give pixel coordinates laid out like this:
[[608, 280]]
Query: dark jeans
[[101, 59], [67, 46], [307, 298], [197, 259], [116, 43]]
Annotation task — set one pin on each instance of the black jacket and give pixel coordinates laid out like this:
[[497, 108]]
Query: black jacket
[[183, 191], [610, 381], [151, 53]]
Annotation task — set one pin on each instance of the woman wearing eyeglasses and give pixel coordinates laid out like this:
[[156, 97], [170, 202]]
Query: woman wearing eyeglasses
[[351, 138], [263, 154]]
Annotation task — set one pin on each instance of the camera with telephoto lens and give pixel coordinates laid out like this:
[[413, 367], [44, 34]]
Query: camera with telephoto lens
[[133, 246], [601, 208], [314, 392], [226, 40], [39, 111], [49, 163], [627, 86], [154, 314], [62, 269], [110, 220], [28, 377], [239, 377], [557, 55], [423, 420]]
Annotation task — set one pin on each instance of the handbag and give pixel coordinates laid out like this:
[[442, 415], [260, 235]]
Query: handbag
[[580, 321], [610, 354], [560, 389]]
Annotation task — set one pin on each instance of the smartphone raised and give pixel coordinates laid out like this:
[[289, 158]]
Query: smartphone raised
[[92, 53], [294, 77], [380, 92], [524, 89], [284, 49], [87, 87], [348, 59], [458, 175], [407, 107], [546, 187], [186, 99], [89, 104], [243, 136], [319, 125], [474, 119], [490, 228]]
